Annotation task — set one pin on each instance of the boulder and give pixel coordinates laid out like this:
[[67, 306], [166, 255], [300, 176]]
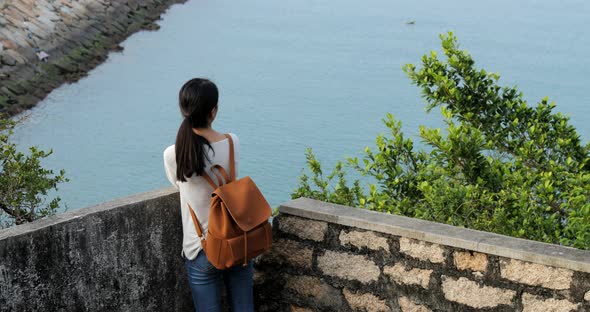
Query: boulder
[[12, 54], [7, 44], [133, 5], [8, 60]]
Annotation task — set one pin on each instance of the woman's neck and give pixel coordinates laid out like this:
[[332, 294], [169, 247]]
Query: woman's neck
[[204, 131], [209, 134]]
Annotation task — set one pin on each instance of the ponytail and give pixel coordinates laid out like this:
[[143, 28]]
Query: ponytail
[[197, 99]]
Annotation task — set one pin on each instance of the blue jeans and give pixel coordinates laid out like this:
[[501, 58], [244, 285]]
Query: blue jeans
[[206, 281]]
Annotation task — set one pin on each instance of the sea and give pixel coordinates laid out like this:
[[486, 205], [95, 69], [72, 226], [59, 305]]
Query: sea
[[293, 75]]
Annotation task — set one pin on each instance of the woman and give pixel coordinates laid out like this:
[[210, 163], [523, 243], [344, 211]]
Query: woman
[[197, 148]]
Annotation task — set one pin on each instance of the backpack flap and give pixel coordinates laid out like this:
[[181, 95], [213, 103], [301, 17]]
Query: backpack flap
[[245, 203]]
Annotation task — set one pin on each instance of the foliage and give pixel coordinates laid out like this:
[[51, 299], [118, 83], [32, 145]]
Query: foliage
[[23, 182], [501, 166], [338, 194]]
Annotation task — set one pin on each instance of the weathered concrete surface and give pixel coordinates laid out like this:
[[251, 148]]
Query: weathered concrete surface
[[77, 35], [122, 255]]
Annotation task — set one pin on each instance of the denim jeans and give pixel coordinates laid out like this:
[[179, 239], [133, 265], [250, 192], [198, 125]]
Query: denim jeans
[[206, 281]]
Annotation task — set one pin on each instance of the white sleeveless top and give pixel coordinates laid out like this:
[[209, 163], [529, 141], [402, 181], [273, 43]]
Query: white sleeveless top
[[197, 192]]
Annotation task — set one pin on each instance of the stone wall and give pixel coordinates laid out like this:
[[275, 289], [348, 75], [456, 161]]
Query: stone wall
[[122, 255], [333, 258], [77, 35]]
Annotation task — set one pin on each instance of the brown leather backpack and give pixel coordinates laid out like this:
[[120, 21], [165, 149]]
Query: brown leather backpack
[[238, 218]]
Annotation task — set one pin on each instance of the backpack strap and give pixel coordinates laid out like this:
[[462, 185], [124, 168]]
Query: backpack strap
[[196, 222], [209, 180], [232, 167], [222, 172], [190, 209], [231, 177]]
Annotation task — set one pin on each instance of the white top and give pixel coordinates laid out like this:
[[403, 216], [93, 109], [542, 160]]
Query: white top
[[197, 192]]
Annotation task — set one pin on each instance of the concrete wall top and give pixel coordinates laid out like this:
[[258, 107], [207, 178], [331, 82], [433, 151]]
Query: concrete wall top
[[68, 216], [485, 242]]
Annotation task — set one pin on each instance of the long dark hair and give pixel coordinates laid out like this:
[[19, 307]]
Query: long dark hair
[[197, 98]]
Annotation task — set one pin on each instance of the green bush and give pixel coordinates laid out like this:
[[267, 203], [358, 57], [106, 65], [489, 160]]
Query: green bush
[[23, 182], [501, 166]]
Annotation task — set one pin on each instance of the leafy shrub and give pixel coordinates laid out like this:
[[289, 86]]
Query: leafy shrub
[[501, 165], [23, 182]]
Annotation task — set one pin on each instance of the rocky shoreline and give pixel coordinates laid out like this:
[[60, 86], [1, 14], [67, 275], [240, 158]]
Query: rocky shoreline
[[76, 34]]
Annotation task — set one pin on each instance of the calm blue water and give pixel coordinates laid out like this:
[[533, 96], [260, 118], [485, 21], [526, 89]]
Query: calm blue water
[[294, 74]]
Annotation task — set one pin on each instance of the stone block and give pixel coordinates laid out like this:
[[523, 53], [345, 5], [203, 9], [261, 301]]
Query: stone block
[[475, 261], [303, 228], [7, 60], [7, 44], [348, 266], [470, 293], [289, 251], [365, 302], [311, 287], [587, 296], [364, 239], [532, 303], [422, 250], [259, 277], [401, 274], [295, 308], [535, 274], [133, 5], [407, 305]]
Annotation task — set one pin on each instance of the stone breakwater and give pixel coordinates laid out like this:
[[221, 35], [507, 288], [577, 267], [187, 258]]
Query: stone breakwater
[[76, 34]]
